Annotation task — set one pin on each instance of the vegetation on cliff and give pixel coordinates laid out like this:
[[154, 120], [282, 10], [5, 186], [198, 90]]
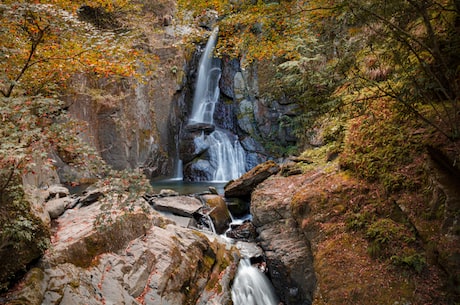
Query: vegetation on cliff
[[43, 45], [377, 85]]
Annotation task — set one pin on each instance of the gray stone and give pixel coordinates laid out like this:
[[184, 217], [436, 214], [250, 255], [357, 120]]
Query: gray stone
[[198, 170], [239, 86], [56, 207], [58, 191], [180, 205], [246, 116]]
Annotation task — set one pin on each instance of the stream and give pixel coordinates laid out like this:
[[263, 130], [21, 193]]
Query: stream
[[227, 161]]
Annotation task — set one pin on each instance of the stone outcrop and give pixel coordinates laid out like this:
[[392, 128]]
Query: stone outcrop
[[288, 252], [243, 186], [138, 257]]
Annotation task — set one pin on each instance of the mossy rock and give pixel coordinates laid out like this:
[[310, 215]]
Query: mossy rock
[[219, 213]]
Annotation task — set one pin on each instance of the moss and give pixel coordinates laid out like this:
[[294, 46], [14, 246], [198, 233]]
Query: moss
[[380, 146], [111, 237], [22, 234]]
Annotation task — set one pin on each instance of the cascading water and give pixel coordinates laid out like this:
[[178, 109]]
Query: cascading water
[[207, 85], [227, 157], [252, 287]]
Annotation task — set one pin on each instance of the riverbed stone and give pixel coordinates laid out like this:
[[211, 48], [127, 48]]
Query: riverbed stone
[[56, 207], [179, 205], [219, 212]]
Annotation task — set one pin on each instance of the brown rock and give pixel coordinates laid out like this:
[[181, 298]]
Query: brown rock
[[288, 253], [243, 186], [219, 212]]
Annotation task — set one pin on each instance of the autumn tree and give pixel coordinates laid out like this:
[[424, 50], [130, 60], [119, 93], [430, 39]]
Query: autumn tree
[[41, 47], [410, 54]]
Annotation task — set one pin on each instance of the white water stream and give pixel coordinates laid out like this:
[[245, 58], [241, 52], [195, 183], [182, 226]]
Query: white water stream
[[252, 287], [207, 85], [227, 157]]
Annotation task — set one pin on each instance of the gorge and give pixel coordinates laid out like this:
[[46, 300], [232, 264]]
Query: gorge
[[336, 130]]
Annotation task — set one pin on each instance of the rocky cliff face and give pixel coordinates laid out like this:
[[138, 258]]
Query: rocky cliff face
[[128, 120], [318, 230], [139, 257], [139, 122]]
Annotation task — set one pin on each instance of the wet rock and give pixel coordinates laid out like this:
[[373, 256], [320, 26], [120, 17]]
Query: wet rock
[[230, 68], [243, 186], [199, 170], [198, 127], [245, 231], [219, 212]]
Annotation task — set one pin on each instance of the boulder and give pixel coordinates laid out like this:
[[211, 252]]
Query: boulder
[[78, 241], [288, 253], [218, 213], [179, 205], [245, 232], [58, 191], [167, 264], [56, 207], [243, 186]]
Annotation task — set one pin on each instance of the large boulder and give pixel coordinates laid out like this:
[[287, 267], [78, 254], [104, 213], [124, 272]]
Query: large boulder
[[243, 186], [78, 241], [288, 253], [137, 258]]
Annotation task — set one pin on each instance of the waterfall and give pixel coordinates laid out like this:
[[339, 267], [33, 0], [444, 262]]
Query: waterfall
[[252, 287], [207, 85], [227, 157]]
